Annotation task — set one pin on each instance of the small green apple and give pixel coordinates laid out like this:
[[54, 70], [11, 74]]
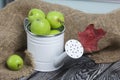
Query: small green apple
[[35, 14], [15, 62], [56, 19], [40, 27], [54, 32]]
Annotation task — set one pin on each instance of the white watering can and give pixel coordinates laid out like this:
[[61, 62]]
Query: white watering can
[[49, 52]]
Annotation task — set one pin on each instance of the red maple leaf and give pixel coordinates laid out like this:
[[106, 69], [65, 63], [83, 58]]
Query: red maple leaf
[[89, 38]]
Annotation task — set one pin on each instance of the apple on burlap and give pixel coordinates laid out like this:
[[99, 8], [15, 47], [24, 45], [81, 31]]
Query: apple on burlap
[[14, 62], [13, 36]]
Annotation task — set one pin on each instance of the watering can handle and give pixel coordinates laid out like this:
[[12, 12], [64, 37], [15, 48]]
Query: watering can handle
[[26, 22]]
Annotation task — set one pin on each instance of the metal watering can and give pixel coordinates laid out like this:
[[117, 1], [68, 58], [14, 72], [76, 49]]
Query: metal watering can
[[49, 52]]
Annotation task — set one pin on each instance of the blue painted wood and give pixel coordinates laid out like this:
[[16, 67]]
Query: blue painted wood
[[88, 6], [2, 3]]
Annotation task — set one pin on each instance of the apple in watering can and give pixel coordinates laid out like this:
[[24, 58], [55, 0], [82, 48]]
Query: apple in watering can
[[55, 18], [35, 14]]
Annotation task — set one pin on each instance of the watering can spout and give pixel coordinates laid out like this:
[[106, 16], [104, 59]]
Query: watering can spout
[[60, 59], [73, 49]]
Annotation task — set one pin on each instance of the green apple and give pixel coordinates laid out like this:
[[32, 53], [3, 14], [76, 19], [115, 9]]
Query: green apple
[[35, 14], [55, 18], [15, 62], [54, 32], [40, 27]]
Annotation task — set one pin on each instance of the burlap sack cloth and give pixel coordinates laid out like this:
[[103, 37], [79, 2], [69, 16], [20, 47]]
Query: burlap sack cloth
[[13, 36]]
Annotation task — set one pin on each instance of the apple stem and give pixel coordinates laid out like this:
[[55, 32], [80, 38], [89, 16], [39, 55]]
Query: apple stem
[[18, 65], [62, 22], [38, 19]]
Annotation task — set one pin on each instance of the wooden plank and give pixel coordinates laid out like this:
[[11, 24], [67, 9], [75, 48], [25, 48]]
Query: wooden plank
[[97, 72], [81, 69]]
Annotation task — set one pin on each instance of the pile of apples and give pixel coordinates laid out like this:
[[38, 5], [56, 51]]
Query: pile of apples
[[41, 24]]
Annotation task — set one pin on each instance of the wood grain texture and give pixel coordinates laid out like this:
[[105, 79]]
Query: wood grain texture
[[80, 69]]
